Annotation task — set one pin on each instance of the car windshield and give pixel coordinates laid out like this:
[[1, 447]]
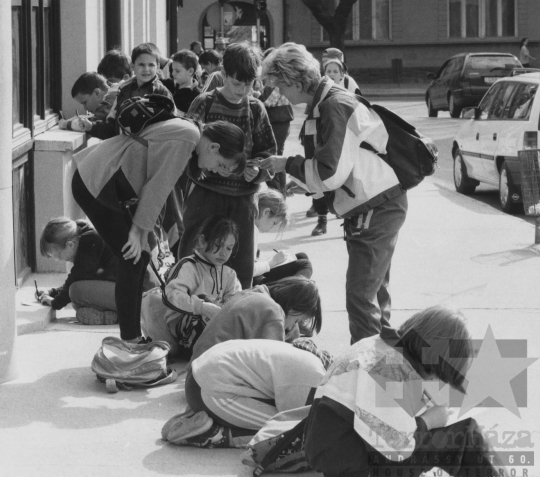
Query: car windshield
[[490, 62]]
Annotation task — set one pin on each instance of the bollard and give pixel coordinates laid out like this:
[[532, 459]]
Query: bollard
[[529, 166]]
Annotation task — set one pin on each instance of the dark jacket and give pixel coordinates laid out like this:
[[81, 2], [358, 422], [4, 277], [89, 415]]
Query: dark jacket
[[94, 261]]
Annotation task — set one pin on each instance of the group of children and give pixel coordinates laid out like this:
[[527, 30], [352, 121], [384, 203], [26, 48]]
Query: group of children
[[219, 304]]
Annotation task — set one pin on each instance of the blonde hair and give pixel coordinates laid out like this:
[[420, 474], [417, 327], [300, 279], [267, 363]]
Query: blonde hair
[[57, 233], [292, 63], [274, 201]]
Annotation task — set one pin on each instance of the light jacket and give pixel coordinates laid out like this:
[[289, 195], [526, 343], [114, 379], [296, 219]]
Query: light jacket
[[353, 179]]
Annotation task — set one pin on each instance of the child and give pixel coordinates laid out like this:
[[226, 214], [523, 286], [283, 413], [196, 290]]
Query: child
[[183, 87], [91, 282], [211, 78], [350, 429], [145, 58], [273, 213], [121, 184], [197, 286], [232, 196], [115, 66], [265, 312], [95, 94], [347, 81], [333, 68], [236, 386]]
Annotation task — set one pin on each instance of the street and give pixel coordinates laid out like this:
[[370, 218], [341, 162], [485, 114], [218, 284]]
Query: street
[[442, 130]]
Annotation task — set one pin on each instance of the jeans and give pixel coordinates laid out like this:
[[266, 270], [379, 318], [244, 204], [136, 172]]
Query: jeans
[[371, 239], [97, 294]]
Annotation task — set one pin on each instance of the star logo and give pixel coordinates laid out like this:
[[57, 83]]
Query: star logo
[[490, 375]]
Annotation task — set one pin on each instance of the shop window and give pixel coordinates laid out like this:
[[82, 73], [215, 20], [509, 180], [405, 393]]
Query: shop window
[[482, 18]]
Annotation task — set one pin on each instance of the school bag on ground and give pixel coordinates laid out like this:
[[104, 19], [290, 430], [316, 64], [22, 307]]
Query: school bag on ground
[[279, 445], [138, 113], [407, 152], [122, 365]]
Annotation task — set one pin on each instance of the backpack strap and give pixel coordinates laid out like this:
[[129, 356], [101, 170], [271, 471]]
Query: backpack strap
[[346, 82]]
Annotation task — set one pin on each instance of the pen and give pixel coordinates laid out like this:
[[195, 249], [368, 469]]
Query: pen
[[430, 397], [61, 114], [275, 250], [37, 291]]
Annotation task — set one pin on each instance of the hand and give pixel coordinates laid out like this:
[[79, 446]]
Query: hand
[[133, 247], [81, 123], [62, 124], [273, 163], [278, 258], [210, 310], [250, 172], [38, 294], [435, 417], [45, 299]]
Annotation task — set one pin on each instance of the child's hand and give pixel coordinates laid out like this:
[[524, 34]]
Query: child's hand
[[278, 258], [45, 299], [210, 310], [62, 124], [133, 247], [38, 294], [81, 123], [436, 416], [250, 172], [273, 163]]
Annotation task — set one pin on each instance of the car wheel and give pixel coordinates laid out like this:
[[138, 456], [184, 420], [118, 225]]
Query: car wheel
[[506, 190], [454, 109], [463, 183], [432, 112]]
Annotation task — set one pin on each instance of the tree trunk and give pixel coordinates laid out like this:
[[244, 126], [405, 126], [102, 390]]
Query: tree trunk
[[337, 40]]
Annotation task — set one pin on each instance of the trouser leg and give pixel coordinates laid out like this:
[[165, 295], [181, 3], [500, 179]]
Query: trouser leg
[[97, 294], [371, 240], [113, 226], [320, 206], [301, 267]]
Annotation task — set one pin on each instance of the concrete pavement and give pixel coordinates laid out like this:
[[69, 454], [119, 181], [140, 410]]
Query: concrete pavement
[[58, 420]]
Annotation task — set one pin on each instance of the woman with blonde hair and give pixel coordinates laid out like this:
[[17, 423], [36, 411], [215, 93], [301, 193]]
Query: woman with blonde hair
[[357, 183]]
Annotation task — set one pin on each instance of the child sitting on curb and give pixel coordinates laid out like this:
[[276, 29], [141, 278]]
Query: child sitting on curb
[[197, 286], [90, 284]]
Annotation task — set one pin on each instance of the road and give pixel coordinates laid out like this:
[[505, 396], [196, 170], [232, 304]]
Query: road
[[442, 130]]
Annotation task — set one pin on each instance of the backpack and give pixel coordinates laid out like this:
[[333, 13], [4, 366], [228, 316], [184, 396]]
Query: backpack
[[122, 365], [279, 445], [137, 113], [407, 152]]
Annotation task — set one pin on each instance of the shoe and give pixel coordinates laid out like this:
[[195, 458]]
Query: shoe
[[91, 316], [320, 228], [214, 437], [181, 427], [311, 212]]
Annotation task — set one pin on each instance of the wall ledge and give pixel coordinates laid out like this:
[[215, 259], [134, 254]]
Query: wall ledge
[[59, 140]]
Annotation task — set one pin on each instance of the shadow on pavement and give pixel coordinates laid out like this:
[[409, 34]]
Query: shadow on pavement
[[508, 257]]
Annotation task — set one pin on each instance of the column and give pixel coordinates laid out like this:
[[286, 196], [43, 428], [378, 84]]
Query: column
[[8, 368]]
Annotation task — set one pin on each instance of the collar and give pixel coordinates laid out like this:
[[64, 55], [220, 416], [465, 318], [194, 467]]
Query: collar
[[392, 338], [201, 259], [320, 95]]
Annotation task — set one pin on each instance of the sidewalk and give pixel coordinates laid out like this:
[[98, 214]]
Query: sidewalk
[[57, 420]]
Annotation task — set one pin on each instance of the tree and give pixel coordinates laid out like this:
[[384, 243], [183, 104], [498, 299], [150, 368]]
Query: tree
[[333, 19]]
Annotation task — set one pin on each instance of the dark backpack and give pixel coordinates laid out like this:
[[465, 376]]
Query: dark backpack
[[137, 113], [407, 152]]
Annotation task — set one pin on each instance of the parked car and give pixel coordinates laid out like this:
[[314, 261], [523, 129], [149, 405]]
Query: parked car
[[486, 147], [464, 79]]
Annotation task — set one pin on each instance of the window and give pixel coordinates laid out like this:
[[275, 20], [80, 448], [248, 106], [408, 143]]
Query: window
[[36, 93], [368, 20], [482, 18], [521, 102], [488, 100], [498, 108]]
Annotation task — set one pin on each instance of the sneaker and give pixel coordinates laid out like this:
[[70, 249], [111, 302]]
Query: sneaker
[[91, 316], [181, 427], [311, 212], [320, 228], [214, 437]]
